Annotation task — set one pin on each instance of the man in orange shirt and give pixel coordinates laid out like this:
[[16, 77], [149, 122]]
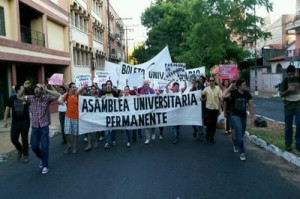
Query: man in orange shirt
[[71, 120]]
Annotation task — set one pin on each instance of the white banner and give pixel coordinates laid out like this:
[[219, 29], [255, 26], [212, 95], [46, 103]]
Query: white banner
[[135, 80], [195, 73], [135, 112], [114, 72], [101, 77], [175, 71], [82, 80], [153, 69]]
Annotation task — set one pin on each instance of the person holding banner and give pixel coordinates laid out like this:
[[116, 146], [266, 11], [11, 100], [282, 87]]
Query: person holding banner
[[225, 85], [175, 89], [62, 108], [40, 120], [110, 137], [128, 132], [146, 90], [213, 96], [199, 84], [93, 92]]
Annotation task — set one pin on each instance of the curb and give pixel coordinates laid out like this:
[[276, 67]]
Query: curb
[[54, 130], [292, 158]]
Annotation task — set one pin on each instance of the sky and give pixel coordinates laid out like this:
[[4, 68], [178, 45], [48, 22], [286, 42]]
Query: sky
[[134, 8]]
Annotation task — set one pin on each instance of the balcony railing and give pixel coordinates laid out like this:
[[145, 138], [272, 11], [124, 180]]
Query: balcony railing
[[32, 37], [293, 53]]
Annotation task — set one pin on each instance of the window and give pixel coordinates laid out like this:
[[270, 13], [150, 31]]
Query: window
[[98, 34], [81, 56], [79, 21], [2, 22]]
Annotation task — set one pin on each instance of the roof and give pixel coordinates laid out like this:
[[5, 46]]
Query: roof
[[278, 58]]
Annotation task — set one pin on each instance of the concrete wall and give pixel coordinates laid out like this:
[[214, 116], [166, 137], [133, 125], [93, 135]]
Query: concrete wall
[[265, 81]]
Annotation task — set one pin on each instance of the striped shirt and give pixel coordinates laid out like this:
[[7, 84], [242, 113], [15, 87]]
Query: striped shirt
[[39, 109]]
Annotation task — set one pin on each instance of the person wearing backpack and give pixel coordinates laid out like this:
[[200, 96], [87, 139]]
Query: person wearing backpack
[[19, 125]]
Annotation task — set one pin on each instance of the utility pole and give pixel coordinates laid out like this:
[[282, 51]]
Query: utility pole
[[126, 42], [108, 31], [255, 53]]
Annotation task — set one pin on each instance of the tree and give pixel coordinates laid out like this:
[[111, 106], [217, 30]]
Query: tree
[[200, 32]]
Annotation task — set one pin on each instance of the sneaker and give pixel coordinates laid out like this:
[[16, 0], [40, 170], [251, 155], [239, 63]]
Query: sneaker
[[175, 141], [153, 136], [226, 133], [128, 144], [106, 146], [242, 157], [114, 143], [101, 138], [41, 164], [161, 137], [85, 139], [87, 149], [25, 159], [74, 150], [288, 148], [68, 150], [45, 170], [235, 149], [147, 141]]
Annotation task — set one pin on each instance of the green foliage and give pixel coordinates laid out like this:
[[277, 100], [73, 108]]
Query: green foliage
[[199, 32]]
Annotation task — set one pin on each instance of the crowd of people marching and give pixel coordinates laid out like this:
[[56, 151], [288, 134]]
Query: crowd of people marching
[[229, 97]]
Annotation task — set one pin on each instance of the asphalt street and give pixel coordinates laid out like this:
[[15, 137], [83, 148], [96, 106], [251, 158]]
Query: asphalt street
[[269, 107], [160, 170]]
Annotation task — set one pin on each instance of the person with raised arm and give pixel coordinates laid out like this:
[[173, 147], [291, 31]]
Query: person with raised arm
[[240, 98], [40, 120]]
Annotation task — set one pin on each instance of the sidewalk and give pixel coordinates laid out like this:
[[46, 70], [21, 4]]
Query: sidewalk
[[5, 144]]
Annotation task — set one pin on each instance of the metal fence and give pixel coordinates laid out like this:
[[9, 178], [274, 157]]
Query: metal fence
[[32, 37]]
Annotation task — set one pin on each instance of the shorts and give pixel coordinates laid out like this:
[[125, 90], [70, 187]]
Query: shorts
[[71, 126]]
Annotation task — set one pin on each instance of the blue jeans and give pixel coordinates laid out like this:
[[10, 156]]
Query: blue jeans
[[40, 143], [289, 118], [175, 132], [239, 125], [128, 133], [110, 136]]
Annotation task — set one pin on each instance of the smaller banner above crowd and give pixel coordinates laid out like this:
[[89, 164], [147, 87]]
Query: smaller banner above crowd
[[228, 71], [136, 112], [56, 79], [82, 80], [175, 71], [101, 77]]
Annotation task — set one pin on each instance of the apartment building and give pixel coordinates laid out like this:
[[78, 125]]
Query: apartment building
[[96, 35], [34, 42], [42, 37]]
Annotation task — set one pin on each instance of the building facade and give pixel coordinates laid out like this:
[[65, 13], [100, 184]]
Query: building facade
[[41, 37], [34, 43]]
